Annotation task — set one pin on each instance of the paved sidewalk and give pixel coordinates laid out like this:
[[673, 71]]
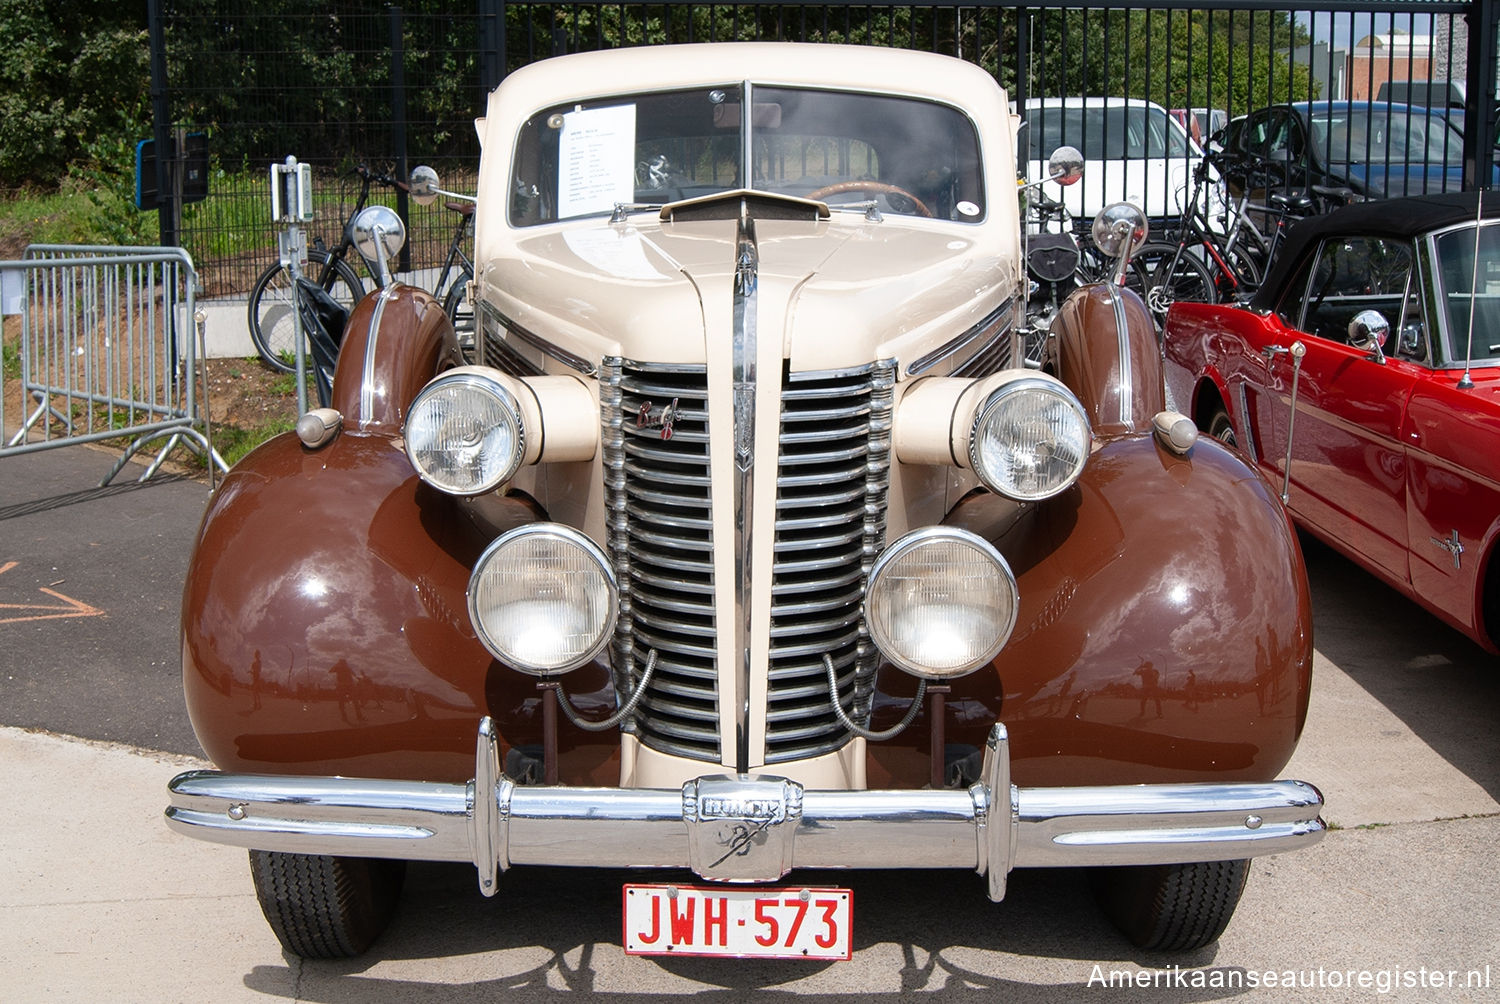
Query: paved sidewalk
[[102, 902]]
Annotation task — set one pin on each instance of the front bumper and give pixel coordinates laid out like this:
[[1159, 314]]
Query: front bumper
[[739, 829]]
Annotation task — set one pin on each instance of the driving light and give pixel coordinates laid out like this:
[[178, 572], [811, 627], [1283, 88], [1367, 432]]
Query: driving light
[[543, 599], [941, 602], [1030, 439], [463, 434]]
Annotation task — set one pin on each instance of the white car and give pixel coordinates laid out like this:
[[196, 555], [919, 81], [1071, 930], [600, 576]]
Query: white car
[[1133, 152]]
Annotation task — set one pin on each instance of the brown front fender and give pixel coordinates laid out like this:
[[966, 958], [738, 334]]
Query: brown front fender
[[1164, 631], [398, 338], [1107, 354]]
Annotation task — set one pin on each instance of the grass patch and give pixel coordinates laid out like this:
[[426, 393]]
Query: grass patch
[[233, 442]]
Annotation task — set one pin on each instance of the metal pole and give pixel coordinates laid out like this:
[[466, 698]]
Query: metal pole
[[161, 116], [1479, 95], [398, 132]]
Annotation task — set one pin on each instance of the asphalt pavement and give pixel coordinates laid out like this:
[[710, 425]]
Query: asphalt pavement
[[1401, 900]]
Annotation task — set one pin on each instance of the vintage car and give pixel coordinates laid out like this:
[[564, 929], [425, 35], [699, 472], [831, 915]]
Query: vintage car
[[749, 545], [1360, 380]]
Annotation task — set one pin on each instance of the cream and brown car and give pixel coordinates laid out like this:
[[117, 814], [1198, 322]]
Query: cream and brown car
[[749, 544]]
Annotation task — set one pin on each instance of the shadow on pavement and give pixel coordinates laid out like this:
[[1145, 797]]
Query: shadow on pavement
[[1441, 685]]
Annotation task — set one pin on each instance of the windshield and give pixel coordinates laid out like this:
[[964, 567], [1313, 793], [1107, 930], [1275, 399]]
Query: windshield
[[1456, 282], [1375, 134], [1115, 132], [584, 158]]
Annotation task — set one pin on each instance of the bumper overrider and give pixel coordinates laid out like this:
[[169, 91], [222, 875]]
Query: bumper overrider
[[747, 829]]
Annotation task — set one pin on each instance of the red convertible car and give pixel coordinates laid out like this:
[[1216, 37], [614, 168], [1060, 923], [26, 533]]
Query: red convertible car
[[1361, 380]]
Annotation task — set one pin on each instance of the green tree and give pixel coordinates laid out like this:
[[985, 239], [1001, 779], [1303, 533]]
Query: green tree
[[74, 87], [1235, 60]]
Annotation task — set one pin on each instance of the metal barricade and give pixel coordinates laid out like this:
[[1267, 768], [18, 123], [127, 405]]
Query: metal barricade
[[109, 348]]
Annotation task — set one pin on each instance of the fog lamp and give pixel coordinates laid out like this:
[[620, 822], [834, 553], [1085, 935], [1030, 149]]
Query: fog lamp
[[543, 599], [941, 602]]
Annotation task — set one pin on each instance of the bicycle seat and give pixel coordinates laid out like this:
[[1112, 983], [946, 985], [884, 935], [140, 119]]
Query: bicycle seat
[[463, 208], [1297, 202], [1341, 195]]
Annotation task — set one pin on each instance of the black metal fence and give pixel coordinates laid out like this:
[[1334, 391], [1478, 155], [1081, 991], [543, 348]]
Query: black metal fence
[[338, 82]]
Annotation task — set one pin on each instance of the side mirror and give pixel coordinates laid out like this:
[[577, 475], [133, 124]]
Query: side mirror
[[378, 235], [1065, 166], [1119, 231], [424, 185], [1368, 331]]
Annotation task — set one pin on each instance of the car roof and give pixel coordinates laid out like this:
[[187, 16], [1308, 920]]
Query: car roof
[[1091, 102], [1399, 219]]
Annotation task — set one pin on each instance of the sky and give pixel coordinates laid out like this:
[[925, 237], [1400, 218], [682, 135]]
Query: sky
[[1347, 28]]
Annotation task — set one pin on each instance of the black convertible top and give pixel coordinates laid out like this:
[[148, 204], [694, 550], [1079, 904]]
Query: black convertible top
[[1396, 218]]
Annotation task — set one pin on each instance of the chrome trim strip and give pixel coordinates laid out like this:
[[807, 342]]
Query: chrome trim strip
[[992, 827], [1243, 393], [568, 359], [1127, 375], [367, 387], [980, 329], [746, 266]]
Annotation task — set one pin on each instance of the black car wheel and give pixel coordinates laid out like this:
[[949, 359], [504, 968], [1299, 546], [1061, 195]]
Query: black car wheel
[[324, 907], [1171, 908], [1221, 428]]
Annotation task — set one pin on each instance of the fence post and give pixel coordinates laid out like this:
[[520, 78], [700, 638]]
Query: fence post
[[169, 205], [491, 44], [398, 131], [1479, 95]]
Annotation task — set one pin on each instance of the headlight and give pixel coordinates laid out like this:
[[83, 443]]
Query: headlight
[[1030, 439], [543, 599], [463, 434], [941, 602]]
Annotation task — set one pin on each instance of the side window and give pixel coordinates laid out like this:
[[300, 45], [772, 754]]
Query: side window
[[1278, 137], [1353, 274], [1295, 297], [1256, 134]]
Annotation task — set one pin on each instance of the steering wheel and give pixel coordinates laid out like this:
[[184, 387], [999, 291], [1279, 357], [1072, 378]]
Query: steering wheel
[[840, 187]]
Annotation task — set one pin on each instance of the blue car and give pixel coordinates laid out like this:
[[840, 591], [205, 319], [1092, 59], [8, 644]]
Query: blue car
[[1375, 148]]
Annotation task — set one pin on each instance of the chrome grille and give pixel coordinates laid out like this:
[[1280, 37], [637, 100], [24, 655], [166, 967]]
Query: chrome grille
[[832, 481], [831, 486], [661, 540]]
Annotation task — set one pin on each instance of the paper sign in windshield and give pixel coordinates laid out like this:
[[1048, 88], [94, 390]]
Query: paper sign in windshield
[[596, 155]]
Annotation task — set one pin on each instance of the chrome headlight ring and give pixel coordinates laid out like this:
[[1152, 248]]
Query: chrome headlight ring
[[1030, 439], [464, 433]]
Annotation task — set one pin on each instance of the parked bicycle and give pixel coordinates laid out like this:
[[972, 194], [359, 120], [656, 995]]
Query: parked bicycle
[[1206, 259], [270, 319]]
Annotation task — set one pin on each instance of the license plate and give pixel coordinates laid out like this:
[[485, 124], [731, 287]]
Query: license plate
[[741, 923]]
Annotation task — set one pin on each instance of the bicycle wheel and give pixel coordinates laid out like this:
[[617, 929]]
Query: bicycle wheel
[[1162, 276], [456, 305], [272, 326]]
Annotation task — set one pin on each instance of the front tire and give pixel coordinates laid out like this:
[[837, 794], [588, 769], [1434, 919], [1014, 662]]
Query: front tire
[[1221, 428], [1171, 908], [323, 907]]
